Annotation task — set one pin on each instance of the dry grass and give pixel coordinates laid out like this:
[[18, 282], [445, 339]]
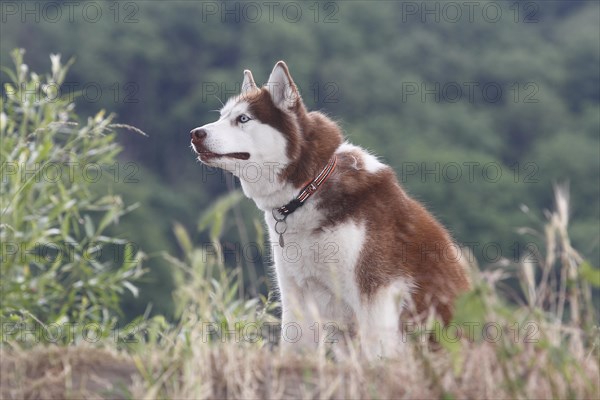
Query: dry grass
[[228, 371], [65, 373], [243, 372]]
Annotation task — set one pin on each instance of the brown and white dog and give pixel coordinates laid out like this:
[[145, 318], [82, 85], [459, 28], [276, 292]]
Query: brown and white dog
[[352, 249]]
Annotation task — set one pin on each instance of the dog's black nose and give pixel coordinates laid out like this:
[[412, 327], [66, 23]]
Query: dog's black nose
[[198, 133]]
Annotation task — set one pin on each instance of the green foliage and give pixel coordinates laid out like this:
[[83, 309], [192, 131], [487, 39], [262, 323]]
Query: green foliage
[[356, 69], [59, 267], [208, 291], [215, 215], [590, 274]]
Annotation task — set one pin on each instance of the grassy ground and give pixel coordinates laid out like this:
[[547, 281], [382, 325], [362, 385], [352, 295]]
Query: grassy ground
[[232, 371]]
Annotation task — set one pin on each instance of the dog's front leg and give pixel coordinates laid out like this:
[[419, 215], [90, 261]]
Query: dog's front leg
[[297, 325]]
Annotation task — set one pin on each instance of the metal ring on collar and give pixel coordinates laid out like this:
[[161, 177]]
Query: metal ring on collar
[[278, 219], [284, 227]]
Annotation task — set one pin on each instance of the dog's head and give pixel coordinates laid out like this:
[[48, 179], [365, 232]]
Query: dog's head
[[269, 128]]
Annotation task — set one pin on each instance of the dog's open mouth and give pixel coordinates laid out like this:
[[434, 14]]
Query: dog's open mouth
[[206, 155]]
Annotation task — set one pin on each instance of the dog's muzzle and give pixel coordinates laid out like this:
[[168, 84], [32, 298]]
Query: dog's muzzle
[[198, 135]]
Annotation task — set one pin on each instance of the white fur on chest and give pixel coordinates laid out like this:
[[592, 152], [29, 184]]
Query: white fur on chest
[[318, 265]]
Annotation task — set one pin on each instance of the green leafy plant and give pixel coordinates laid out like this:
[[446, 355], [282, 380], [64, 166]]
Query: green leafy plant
[[60, 269]]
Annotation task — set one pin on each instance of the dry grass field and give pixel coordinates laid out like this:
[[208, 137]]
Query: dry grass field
[[238, 372]]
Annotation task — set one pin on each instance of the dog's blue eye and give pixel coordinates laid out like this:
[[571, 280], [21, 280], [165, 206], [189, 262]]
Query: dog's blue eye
[[243, 118]]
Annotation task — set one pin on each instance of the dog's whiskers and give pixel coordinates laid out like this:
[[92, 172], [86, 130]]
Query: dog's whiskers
[[222, 105]]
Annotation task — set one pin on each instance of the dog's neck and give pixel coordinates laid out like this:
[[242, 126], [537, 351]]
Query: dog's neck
[[269, 192], [276, 192]]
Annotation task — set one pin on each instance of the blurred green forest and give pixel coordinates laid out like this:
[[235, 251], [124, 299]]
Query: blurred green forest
[[479, 108]]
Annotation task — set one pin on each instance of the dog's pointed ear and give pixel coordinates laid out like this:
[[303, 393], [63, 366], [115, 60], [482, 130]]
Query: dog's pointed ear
[[248, 83], [282, 88]]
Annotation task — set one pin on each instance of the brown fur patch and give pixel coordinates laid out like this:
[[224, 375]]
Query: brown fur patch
[[261, 106], [403, 239]]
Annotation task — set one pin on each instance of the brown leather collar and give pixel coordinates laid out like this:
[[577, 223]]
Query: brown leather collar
[[280, 214]]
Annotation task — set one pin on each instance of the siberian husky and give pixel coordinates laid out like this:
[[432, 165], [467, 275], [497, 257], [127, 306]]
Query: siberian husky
[[352, 251]]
